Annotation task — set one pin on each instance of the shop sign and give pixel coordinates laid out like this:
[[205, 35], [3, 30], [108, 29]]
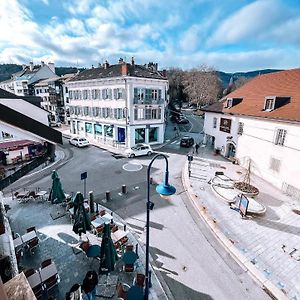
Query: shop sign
[[225, 125]]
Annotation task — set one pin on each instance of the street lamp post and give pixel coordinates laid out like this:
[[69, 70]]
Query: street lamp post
[[164, 189]]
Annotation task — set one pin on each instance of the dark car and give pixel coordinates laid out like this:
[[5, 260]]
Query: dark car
[[182, 121], [186, 141]]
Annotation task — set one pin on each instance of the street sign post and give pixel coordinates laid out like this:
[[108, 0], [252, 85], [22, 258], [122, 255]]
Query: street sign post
[[83, 176]]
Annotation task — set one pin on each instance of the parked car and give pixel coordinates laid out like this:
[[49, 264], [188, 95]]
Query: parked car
[[186, 141], [55, 124], [182, 121], [79, 142], [139, 150]]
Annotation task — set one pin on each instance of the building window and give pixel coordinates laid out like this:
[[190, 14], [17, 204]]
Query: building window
[[280, 137], [275, 164], [240, 128], [215, 122], [153, 134], [139, 94], [269, 104], [119, 113], [98, 129], [108, 130], [86, 110], [148, 113], [140, 135], [139, 114], [88, 128], [229, 103]]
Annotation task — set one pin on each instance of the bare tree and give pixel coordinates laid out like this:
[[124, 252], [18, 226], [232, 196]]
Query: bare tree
[[202, 85], [175, 77]]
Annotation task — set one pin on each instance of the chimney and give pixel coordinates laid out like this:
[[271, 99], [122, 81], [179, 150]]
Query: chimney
[[106, 65], [99, 65], [42, 63], [24, 67], [92, 66], [124, 69], [132, 60], [121, 60], [31, 66], [164, 73], [51, 66]]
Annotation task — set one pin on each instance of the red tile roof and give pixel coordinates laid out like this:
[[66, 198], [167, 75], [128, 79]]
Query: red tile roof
[[279, 84]]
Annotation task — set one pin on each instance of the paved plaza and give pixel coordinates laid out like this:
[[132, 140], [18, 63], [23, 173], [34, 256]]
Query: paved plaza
[[268, 245], [58, 242]]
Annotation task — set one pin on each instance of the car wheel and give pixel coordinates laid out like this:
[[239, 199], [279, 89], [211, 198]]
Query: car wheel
[[149, 153], [132, 155]]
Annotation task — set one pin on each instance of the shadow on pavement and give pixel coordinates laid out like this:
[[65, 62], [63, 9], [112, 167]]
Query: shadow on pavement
[[181, 291]]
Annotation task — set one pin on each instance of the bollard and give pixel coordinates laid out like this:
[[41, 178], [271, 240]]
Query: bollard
[[124, 190], [150, 282], [91, 197], [97, 208], [136, 249], [124, 227], [107, 196], [151, 180]]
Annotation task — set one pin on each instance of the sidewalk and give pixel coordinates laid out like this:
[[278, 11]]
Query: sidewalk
[[268, 247]]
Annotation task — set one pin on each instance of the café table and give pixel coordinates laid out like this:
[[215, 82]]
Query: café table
[[48, 272], [41, 194], [29, 236], [118, 235], [93, 251], [18, 242], [129, 257], [97, 222], [107, 286], [135, 293], [34, 279], [107, 218]]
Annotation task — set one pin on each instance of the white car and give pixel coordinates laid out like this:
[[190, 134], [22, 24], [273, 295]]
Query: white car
[[79, 142], [139, 150]]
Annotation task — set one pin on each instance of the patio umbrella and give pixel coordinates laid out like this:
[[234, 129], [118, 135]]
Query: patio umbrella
[[108, 254], [82, 221], [57, 194]]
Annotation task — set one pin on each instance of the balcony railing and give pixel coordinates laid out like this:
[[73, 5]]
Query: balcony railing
[[147, 102]]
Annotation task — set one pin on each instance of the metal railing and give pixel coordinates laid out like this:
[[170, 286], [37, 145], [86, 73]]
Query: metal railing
[[22, 171]]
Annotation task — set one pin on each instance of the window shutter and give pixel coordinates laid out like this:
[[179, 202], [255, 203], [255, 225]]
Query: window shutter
[[115, 93]]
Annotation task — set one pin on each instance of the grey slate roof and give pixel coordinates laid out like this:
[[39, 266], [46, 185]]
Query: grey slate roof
[[116, 71]]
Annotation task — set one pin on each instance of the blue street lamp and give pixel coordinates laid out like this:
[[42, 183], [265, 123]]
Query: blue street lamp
[[164, 189]]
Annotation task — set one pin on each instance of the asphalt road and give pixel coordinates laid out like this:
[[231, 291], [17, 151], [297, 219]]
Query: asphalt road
[[189, 259]]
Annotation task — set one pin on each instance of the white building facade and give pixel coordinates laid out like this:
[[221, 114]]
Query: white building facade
[[255, 131], [121, 107]]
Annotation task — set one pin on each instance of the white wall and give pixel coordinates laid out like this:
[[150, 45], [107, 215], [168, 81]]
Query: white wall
[[27, 109], [257, 143]]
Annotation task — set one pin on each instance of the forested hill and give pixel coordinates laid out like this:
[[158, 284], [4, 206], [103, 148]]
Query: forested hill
[[7, 69], [225, 77]]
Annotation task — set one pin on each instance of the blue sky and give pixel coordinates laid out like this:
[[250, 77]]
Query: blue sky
[[229, 35]]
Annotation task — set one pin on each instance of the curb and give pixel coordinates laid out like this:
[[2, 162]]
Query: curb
[[246, 265]]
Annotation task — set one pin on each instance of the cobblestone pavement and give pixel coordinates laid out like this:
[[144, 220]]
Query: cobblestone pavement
[[269, 245], [57, 241]]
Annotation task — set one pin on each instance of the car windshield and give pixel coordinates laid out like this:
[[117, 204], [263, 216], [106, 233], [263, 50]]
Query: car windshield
[[82, 140]]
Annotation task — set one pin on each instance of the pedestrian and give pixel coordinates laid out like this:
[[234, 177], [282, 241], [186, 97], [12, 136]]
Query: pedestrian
[[89, 284], [75, 293], [197, 148]]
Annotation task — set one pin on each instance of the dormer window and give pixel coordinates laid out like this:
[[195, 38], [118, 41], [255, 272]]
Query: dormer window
[[270, 104], [273, 102], [229, 103], [232, 102]]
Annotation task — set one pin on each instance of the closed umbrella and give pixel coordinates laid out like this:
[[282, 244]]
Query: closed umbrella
[[108, 254], [57, 194], [82, 221]]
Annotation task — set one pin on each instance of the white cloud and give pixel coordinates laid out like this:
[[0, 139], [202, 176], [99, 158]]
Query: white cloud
[[189, 40], [250, 22]]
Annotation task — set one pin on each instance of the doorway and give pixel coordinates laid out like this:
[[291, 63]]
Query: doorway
[[230, 150]]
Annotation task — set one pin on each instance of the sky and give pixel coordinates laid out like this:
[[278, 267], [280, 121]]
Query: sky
[[229, 35]]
